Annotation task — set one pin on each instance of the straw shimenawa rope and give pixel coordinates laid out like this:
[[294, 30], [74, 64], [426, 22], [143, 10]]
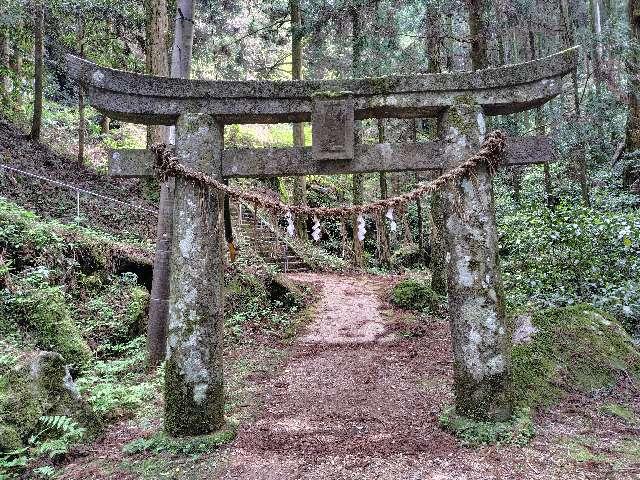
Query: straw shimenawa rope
[[490, 153]]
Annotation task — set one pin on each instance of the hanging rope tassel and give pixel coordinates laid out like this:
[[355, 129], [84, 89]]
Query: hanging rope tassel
[[291, 229], [393, 226], [362, 230], [315, 234]]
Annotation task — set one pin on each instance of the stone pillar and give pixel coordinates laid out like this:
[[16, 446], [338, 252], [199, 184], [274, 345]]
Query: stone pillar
[[476, 303], [194, 397]]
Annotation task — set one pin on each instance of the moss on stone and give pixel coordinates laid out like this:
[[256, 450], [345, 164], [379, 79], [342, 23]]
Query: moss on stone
[[620, 411], [21, 404], [9, 439], [575, 349], [48, 319], [415, 295], [39, 385], [331, 94], [137, 309]]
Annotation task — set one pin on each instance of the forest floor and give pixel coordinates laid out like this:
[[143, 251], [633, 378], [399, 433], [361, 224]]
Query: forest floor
[[357, 396], [54, 201]]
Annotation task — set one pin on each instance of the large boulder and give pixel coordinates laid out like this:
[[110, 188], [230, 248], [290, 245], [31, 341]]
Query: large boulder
[[568, 349], [38, 384]]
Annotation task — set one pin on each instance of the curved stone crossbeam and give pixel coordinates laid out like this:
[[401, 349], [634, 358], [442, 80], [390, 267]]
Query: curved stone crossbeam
[[152, 100]]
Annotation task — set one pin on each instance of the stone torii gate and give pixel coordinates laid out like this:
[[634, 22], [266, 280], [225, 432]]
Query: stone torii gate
[[199, 109]]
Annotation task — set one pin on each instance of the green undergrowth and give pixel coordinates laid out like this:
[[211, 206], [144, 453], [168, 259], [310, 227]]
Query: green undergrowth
[[162, 443], [265, 303], [574, 349], [415, 294], [121, 387], [27, 239], [516, 431], [73, 292]]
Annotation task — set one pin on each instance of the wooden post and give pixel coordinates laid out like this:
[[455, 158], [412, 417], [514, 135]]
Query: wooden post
[[476, 303], [194, 400], [158, 305]]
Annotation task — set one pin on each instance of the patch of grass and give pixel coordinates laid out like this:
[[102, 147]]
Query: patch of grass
[[517, 431], [162, 443], [629, 448], [620, 411], [580, 449]]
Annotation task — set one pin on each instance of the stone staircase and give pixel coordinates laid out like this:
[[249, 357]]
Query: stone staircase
[[261, 235]]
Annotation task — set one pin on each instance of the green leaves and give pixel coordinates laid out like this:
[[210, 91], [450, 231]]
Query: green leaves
[[572, 254]]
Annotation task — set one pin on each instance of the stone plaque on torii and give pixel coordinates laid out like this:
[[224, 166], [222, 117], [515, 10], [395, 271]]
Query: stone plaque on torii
[[200, 109]]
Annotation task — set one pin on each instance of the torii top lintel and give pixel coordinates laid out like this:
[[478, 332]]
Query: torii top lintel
[[156, 100]]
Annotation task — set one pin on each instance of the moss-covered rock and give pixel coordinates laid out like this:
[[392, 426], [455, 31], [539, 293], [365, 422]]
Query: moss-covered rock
[[47, 316], [414, 294], [40, 384], [9, 439], [569, 349], [406, 256]]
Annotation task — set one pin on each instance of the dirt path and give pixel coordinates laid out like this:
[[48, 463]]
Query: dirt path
[[357, 397], [358, 401]]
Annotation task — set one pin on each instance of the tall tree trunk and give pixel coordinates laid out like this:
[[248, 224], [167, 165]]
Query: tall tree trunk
[[596, 43], [579, 154], [357, 187], [384, 254], [159, 306], [437, 239], [81, 119], [478, 32], [299, 183], [183, 40], [5, 79], [534, 52], [17, 61], [157, 58], [632, 139], [38, 27]]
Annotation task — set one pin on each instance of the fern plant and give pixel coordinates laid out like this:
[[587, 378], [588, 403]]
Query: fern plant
[[68, 432], [12, 462]]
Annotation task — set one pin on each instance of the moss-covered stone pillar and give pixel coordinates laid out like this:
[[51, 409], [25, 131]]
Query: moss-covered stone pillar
[[476, 303], [194, 402]]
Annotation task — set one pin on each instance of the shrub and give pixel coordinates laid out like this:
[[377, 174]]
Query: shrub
[[572, 254], [415, 295]]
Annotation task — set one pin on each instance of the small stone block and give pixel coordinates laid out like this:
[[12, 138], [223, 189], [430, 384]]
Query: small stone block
[[332, 122], [131, 163]]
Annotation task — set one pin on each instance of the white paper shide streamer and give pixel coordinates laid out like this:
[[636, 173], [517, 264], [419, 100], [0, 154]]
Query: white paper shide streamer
[[315, 233], [393, 226], [361, 228], [290, 228]]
